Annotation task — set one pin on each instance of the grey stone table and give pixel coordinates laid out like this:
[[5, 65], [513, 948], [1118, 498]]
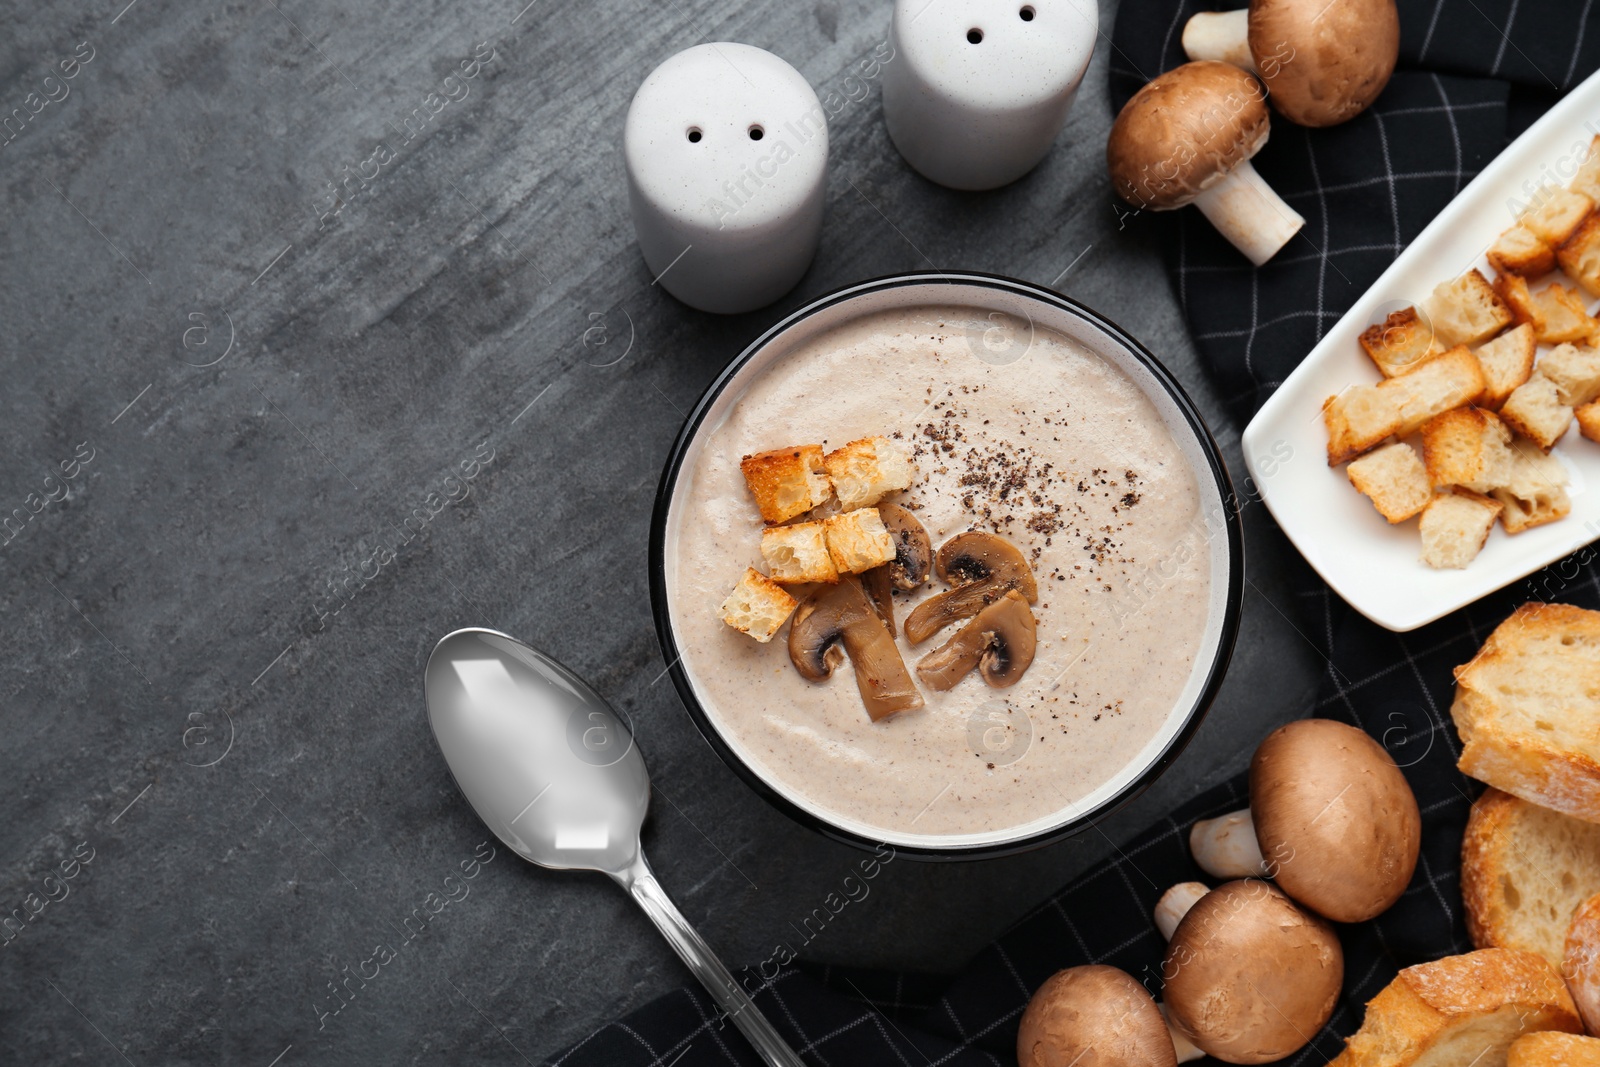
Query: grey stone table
[[279, 277]]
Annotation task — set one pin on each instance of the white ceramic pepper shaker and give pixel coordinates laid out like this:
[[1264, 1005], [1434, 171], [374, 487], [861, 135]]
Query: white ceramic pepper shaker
[[978, 89], [726, 147]]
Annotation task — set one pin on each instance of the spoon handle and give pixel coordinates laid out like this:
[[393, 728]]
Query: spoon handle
[[641, 884]]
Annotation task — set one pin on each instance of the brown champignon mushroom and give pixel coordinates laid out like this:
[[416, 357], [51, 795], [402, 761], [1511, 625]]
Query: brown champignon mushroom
[[999, 641], [840, 615], [913, 551], [1333, 820], [981, 567], [1093, 1016], [1249, 977], [1188, 137], [1323, 61]]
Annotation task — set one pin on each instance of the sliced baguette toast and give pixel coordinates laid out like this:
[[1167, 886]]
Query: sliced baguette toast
[[1524, 871], [1526, 708], [1461, 1010]]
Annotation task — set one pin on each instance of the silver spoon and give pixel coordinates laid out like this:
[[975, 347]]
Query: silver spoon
[[549, 767]]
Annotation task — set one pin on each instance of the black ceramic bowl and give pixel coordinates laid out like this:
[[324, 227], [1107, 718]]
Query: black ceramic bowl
[[1006, 312]]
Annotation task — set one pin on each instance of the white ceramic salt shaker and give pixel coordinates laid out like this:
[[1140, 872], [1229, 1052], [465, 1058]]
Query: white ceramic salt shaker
[[978, 89], [726, 148]]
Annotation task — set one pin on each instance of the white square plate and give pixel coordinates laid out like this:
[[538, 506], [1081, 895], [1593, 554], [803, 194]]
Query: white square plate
[[1372, 565]]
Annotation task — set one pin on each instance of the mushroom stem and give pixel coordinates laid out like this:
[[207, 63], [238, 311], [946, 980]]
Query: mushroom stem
[[1220, 35], [1226, 847], [1182, 1047], [1245, 210], [1175, 904]]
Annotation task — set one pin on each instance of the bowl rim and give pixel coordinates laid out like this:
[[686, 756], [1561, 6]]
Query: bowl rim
[[1216, 671]]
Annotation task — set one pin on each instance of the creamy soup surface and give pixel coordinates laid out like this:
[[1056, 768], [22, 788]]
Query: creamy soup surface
[[1058, 452]]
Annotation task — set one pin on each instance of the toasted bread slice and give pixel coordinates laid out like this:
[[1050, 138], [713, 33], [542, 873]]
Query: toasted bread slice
[[1534, 409], [1579, 256], [858, 540], [1588, 418], [1460, 1011], [786, 481], [758, 606], [1520, 251], [1399, 343], [798, 553], [1552, 1048], [865, 471], [1580, 962], [1524, 871], [1468, 447], [1455, 526], [1561, 316], [1507, 362], [1556, 214], [1465, 310], [1535, 490], [1575, 372], [1394, 479], [1525, 708], [1364, 415]]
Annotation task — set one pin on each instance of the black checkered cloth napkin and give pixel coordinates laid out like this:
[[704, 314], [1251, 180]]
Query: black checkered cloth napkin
[[1472, 74]]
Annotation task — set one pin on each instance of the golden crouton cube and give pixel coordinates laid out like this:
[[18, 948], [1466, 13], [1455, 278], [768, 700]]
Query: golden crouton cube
[[1580, 256], [1588, 418], [1525, 311], [865, 471], [798, 553], [1575, 372], [1519, 251], [858, 540], [1465, 310], [1399, 343], [1507, 362], [1393, 478], [1561, 316], [757, 606], [1534, 491], [1468, 447], [1364, 415], [1357, 419], [1534, 409], [1444, 382], [1454, 527], [786, 481], [1556, 213], [1587, 180]]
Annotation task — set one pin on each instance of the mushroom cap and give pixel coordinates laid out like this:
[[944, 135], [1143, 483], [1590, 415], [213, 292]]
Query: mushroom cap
[[1184, 131], [1337, 822], [1249, 976], [1324, 61], [1093, 1016]]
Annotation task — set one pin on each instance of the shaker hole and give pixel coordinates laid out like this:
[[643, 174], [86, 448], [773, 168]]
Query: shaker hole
[[756, 132], [694, 135], [1027, 13], [975, 35]]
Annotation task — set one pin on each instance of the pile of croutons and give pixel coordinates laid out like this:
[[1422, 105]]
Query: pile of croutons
[[1465, 373], [790, 482]]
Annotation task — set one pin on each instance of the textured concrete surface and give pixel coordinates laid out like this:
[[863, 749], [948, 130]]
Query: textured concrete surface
[[267, 382]]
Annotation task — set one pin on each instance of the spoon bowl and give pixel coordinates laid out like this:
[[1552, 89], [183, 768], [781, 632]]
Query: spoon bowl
[[554, 772]]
